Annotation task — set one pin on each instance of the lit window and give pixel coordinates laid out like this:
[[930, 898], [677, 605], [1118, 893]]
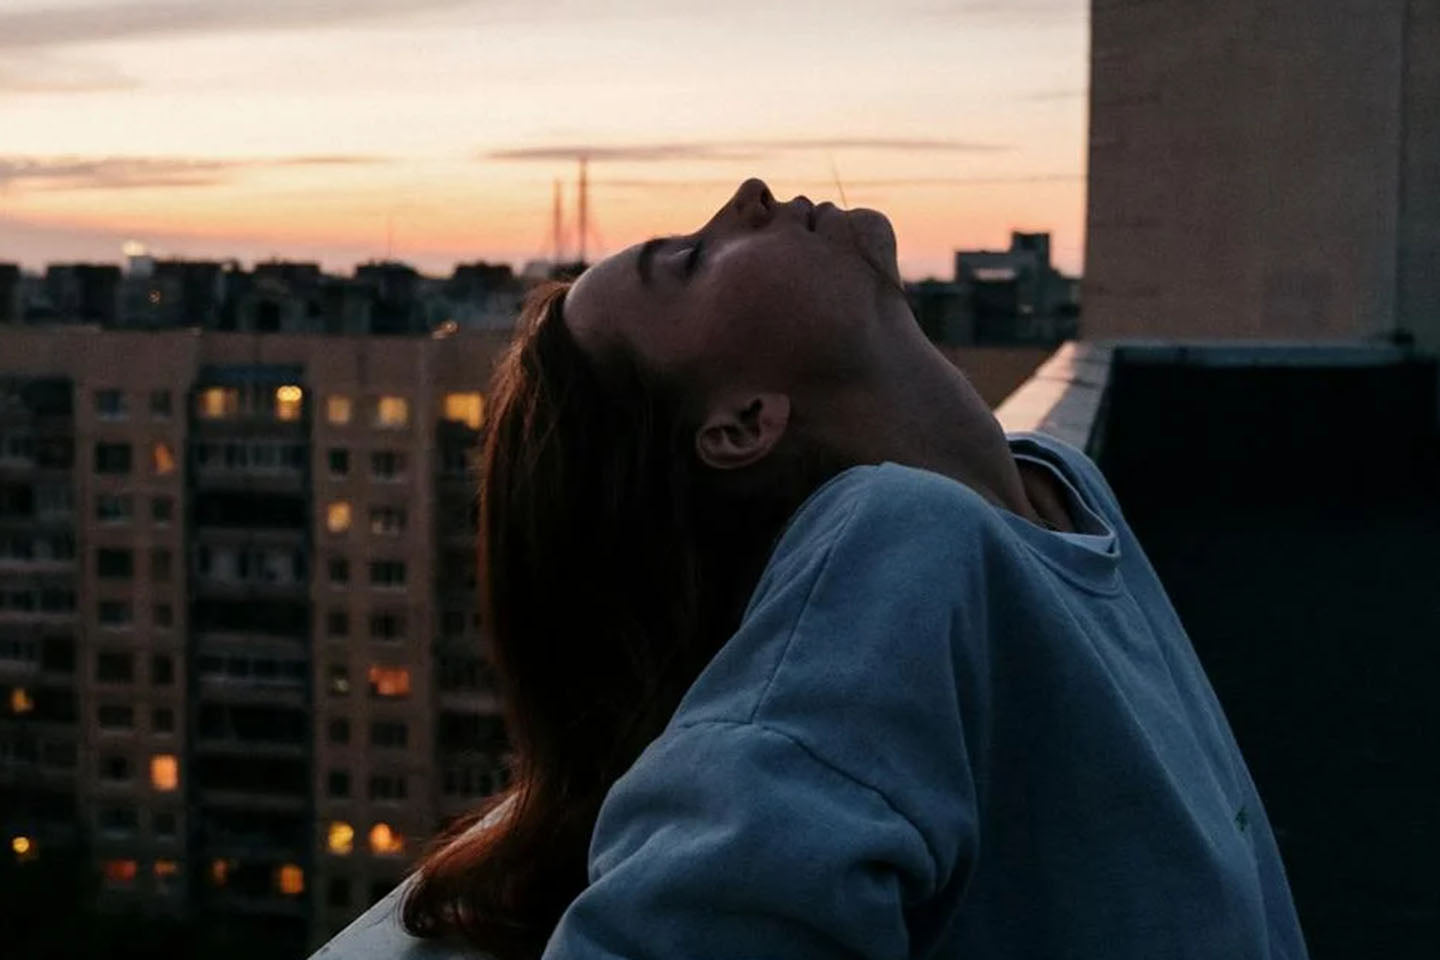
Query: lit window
[[119, 873], [386, 841], [23, 847], [21, 701], [220, 871], [389, 681], [166, 868], [392, 412], [466, 408], [288, 401], [164, 772], [341, 838], [337, 408], [290, 880], [337, 516], [162, 458], [217, 403]]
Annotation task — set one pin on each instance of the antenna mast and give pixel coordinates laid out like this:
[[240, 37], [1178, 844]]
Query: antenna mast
[[584, 205], [557, 224]]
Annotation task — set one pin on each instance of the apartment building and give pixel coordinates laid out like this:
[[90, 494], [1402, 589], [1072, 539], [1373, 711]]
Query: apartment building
[[243, 668]]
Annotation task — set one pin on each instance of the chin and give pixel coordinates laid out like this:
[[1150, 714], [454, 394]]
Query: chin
[[876, 234]]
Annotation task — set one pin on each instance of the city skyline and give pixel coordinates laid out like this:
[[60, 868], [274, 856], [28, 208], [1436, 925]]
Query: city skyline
[[310, 132]]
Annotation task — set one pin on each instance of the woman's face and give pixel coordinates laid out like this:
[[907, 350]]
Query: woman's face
[[763, 295]]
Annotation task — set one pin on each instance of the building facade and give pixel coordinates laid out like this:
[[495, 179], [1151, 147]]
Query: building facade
[[1264, 170], [243, 668]]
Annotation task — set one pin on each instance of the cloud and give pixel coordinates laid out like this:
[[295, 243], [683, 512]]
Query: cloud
[[120, 173], [626, 183], [31, 74], [738, 149], [97, 22]]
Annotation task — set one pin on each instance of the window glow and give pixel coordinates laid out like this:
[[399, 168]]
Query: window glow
[[119, 872], [21, 845], [385, 841], [220, 872], [290, 880], [164, 772], [21, 701], [337, 408], [341, 838], [166, 868], [337, 516], [288, 401], [162, 458], [218, 403], [392, 412], [389, 681], [466, 408]]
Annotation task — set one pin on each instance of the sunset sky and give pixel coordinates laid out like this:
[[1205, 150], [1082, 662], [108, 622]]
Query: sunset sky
[[334, 130]]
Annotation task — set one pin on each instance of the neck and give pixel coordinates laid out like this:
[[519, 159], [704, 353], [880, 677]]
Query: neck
[[923, 412]]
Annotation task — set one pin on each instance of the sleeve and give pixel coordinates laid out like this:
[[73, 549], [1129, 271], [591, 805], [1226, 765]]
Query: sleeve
[[731, 840]]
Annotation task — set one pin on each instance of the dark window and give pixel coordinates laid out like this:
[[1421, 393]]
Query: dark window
[[339, 730], [387, 626], [337, 623], [114, 564], [161, 509], [115, 716], [379, 889], [339, 679], [387, 573], [114, 768], [338, 783], [115, 613], [452, 623], [164, 823], [339, 570], [119, 819], [160, 565], [337, 893], [160, 403], [162, 670], [163, 615], [339, 461], [114, 666], [112, 458], [57, 654], [386, 464], [388, 733], [110, 403], [162, 720], [113, 508], [387, 786]]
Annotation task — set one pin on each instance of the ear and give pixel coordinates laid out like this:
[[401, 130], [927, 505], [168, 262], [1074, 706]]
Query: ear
[[742, 429]]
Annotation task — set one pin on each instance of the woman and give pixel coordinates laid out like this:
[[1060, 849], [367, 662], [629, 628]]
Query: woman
[[805, 657]]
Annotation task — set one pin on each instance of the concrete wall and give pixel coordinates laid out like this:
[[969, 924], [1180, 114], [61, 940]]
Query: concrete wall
[[1261, 170]]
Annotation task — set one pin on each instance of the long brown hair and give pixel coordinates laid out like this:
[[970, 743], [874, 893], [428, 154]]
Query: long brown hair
[[614, 564]]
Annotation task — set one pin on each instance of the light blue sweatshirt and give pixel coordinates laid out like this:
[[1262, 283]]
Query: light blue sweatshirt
[[940, 731]]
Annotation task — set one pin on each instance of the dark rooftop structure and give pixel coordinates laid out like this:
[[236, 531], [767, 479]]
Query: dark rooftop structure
[[1286, 494]]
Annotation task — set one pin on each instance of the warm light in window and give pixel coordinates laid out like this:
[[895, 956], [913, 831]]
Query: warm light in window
[[337, 516], [337, 408], [166, 868], [467, 408], [392, 412], [341, 837], [220, 872], [389, 681], [119, 872], [287, 402], [21, 701], [385, 841], [163, 458], [290, 880], [21, 845], [217, 403], [164, 772]]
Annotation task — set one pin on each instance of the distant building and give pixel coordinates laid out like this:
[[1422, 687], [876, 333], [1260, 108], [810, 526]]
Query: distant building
[[1264, 170], [241, 662], [10, 311], [79, 293], [1013, 296]]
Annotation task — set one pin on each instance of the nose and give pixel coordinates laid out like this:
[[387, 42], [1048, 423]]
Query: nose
[[754, 202]]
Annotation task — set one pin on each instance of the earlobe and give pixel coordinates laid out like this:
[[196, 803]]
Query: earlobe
[[739, 433]]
